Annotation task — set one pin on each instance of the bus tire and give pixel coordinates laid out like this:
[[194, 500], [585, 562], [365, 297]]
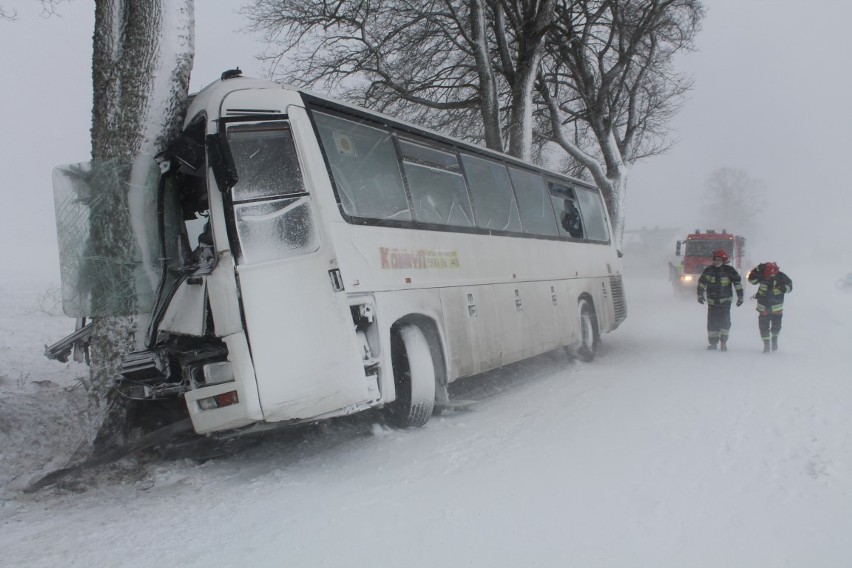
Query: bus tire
[[588, 331], [414, 378]]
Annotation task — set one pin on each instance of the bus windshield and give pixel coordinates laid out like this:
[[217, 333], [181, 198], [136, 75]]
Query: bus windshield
[[109, 256]]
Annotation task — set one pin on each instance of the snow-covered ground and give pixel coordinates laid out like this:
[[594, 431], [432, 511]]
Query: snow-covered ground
[[657, 454], [42, 402]]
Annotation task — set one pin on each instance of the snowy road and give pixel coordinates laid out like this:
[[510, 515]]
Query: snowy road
[[657, 454]]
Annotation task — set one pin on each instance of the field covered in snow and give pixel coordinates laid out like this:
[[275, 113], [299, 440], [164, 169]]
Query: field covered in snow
[[657, 454]]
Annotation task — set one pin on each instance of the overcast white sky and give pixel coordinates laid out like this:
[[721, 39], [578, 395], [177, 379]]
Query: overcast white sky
[[772, 96]]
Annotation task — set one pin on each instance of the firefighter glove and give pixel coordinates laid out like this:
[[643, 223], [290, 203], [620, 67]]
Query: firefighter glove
[[739, 301], [700, 299]]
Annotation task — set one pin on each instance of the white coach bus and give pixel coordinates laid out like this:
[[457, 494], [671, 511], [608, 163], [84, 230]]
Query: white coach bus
[[320, 260]]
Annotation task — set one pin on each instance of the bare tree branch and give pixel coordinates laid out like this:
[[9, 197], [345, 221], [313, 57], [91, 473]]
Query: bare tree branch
[[48, 8], [609, 79], [595, 77]]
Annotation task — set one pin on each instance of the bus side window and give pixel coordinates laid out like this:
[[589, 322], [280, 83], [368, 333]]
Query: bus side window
[[494, 201], [438, 190], [534, 203], [594, 214], [565, 204], [364, 168]]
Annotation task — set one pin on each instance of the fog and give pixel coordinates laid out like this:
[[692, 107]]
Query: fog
[[770, 97], [659, 453]]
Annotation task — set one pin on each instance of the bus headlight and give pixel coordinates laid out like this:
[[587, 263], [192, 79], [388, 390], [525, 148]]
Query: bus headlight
[[218, 373], [686, 278]]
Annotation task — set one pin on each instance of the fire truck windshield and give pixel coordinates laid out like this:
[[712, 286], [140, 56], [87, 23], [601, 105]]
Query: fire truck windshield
[[705, 247]]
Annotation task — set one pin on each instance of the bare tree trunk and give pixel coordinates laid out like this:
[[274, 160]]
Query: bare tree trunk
[[490, 106], [614, 196], [532, 22], [142, 58]]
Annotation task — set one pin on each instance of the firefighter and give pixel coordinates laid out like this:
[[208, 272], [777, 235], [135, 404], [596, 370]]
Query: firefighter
[[772, 285], [717, 282]]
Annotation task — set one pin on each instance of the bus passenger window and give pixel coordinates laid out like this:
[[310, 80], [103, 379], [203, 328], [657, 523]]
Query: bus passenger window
[[594, 215], [565, 205], [438, 190], [364, 168], [569, 218], [491, 191], [534, 203]]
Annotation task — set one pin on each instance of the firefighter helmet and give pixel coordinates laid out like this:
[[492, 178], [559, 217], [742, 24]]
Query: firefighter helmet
[[770, 269], [720, 254]]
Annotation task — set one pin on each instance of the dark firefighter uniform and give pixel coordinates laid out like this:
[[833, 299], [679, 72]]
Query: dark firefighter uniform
[[717, 283], [772, 284]]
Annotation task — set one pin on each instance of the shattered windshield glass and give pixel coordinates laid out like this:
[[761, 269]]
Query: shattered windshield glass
[[106, 219]]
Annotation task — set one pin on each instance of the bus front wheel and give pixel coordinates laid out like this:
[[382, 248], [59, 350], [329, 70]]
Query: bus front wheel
[[588, 331], [414, 377]]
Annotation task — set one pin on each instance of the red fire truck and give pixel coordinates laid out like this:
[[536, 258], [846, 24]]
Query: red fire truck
[[697, 252]]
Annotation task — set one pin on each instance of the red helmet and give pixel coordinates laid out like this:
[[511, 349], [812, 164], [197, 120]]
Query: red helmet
[[720, 254], [770, 269]]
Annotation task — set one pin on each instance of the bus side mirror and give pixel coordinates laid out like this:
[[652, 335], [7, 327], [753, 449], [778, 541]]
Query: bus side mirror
[[222, 162], [677, 248]]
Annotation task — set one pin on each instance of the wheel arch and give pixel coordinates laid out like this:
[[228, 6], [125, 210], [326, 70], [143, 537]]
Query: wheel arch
[[437, 349]]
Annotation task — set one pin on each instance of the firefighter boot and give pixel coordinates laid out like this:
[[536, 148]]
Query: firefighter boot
[[723, 346], [766, 346], [775, 343], [711, 347]]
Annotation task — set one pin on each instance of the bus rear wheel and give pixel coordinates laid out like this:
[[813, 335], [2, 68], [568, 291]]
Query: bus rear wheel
[[414, 378], [588, 331]]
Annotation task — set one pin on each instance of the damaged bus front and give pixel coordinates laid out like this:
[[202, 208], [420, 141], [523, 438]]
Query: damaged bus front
[[216, 246]]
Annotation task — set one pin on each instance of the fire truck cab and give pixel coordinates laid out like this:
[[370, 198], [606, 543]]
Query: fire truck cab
[[697, 254]]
